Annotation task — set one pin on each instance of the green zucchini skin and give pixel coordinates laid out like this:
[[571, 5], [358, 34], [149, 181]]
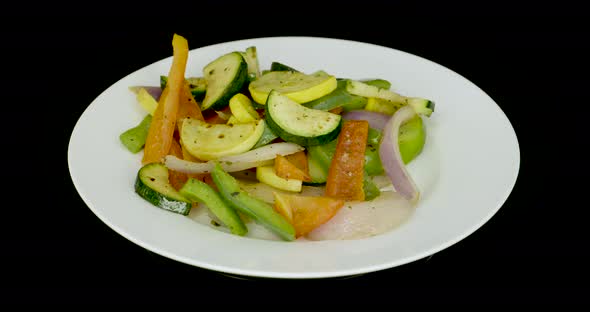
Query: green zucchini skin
[[276, 66], [337, 98], [197, 85], [341, 98], [225, 76], [152, 185], [422, 106], [280, 119], [267, 137]]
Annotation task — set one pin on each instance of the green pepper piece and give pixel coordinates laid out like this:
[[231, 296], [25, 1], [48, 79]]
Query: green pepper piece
[[412, 137], [373, 165], [198, 191], [379, 83], [261, 212], [371, 190], [134, 138]]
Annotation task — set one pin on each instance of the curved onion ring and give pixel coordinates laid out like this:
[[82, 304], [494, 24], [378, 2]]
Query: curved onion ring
[[391, 158], [376, 120]]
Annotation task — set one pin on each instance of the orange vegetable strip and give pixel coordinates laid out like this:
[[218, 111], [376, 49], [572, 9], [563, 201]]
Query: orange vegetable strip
[[177, 179], [285, 169], [293, 166], [336, 110], [345, 177], [163, 124], [188, 107], [299, 159], [306, 213]]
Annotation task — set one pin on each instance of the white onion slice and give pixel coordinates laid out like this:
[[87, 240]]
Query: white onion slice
[[266, 152], [376, 120], [181, 165], [262, 156], [391, 158]]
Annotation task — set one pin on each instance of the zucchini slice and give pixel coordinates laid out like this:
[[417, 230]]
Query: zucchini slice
[[422, 106], [198, 87], [382, 106], [251, 57], [267, 137], [152, 185], [299, 87], [211, 141], [296, 123], [225, 77], [276, 66]]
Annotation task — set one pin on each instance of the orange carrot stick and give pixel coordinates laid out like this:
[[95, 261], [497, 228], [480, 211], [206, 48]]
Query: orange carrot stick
[[163, 124], [345, 177]]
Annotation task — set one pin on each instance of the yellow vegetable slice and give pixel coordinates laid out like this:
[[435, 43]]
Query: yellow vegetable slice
[[242, 109], [211, 141], [232, 120], [267, 175], [382, 106], [298, 86], [146, 101]]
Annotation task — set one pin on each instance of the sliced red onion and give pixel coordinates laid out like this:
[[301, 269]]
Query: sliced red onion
[[376, 120], [391, 158], [155, 92]]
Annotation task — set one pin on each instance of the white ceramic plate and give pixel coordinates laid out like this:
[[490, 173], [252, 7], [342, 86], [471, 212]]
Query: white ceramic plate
[[465, 173]]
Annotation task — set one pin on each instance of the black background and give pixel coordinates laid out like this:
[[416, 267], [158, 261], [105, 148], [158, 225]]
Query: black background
[[530, 58]]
